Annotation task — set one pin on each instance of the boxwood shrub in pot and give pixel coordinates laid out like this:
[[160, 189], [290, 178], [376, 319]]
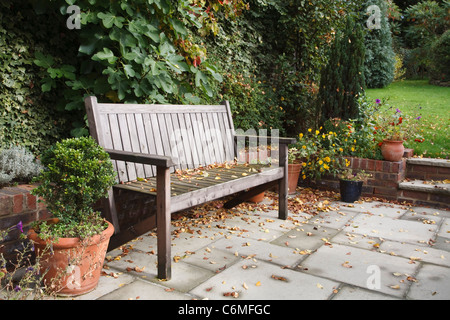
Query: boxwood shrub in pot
[[77, 172]]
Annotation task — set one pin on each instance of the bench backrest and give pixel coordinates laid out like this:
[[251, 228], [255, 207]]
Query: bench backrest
[[193, 135]]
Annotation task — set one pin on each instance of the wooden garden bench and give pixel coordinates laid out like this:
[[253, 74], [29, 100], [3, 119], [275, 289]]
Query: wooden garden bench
[[150, 144]]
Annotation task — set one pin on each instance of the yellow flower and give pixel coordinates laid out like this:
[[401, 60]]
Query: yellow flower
[[304, 164], [326, 167], [323, 136], [327, 159], [304, 177], [347, 162], [317, 132], [353, 148], [340, 149], [303, 147], [300, 135], [320, 162], [309, 130]]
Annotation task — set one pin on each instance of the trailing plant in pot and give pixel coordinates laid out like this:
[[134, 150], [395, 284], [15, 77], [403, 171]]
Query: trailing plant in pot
[[350, 183], [77, 173], [393, 128]]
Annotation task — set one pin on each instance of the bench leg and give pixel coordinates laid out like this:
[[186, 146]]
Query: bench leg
[[163, 222], [283, 184], [110, 211]]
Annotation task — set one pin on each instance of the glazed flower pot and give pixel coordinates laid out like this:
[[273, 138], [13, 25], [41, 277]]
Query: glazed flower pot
[[350, 190], [72, 266], [293, 174], [392, 150]]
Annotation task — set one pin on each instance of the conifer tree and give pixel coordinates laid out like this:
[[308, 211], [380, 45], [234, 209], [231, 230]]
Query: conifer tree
[[379, 64], [342, 80]]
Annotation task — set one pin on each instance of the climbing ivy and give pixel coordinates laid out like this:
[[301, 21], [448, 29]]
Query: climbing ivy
[[27, 116], [139, 51]]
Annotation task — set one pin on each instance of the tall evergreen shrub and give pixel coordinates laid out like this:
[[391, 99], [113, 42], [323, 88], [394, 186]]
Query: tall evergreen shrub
[[342, 80], [379, 64]]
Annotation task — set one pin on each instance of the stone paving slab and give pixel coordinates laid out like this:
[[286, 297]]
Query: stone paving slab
[[359, 267], [392, 229], [433, 283], [259, 250], [262, 280], [355, 293], [143, 290]]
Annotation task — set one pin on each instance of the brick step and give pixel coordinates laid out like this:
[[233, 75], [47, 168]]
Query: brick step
[[422, 192], [427, 169]]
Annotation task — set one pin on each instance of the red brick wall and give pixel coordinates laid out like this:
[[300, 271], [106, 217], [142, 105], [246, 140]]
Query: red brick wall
[[384, 181], [17, 204]]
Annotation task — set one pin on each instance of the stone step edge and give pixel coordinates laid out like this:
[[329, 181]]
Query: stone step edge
[[429, 162], [425, 186]]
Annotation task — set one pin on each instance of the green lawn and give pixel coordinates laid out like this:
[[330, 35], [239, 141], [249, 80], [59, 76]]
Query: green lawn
[[407, 95]]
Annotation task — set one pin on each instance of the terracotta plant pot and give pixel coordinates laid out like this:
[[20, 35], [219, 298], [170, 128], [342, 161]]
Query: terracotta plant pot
[[256, 199], [71, 266], [293, 174], [392, 150]]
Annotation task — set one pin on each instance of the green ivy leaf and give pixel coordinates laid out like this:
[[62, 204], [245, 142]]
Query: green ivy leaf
[[129, 72], [109, 19], [44, 61], [106, 54]]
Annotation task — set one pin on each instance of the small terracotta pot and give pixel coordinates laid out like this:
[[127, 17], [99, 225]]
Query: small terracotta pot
[[392, 150], [72, 266], [258, 198], [293, 174]]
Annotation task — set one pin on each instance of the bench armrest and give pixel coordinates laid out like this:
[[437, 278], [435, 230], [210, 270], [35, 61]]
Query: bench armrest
[[281, 140], [151, 159]]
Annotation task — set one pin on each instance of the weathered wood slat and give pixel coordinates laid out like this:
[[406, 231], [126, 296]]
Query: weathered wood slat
[[157, 108], [203, 195], [117, 145], [143, 143]]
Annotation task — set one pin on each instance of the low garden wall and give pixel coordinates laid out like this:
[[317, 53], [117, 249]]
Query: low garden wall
[[384, 181], [18, 205]]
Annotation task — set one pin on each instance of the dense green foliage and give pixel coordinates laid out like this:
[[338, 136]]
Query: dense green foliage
[[78, 173], [342, 80], [28, 117], [440, 52], [421, 27]]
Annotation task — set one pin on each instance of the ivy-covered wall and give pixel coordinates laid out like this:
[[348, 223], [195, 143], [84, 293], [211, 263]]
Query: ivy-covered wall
[[265, 56], [29, 117]]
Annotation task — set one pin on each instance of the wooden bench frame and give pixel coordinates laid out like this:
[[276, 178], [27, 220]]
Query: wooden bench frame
[[116, 126]]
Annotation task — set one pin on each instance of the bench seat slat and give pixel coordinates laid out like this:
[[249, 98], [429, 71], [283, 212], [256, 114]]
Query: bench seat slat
[[185, 192]]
